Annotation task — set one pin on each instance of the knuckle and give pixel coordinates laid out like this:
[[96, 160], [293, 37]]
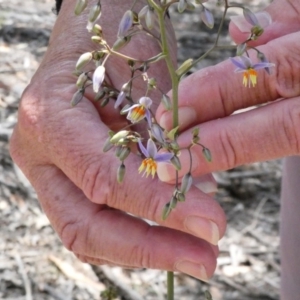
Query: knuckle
[[69, 234]]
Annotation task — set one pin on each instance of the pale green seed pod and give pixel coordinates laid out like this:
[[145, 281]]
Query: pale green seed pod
[[186, 183], [180, 196], [173, 202], [77, 97], [121, 173], [80, 6], [95, 13], [83, 60]]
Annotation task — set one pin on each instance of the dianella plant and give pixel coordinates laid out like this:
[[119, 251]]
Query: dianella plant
[[156, 144]]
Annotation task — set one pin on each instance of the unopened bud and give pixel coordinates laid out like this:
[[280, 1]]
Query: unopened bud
[[121, 173], [176, 162], [83, 60], [208, 296], [97, 29], [174, 145], [124, 153], [186, 183], [166, 211], [150, 18], [104, 102], [126, 23], [256, 31], [100, 95], [207, 154], [180, 196], [186, 65], [95, 13], [173, 202], [157, 133], [121, 42], [119, 137], [207, 18], [77, 97], [80, 6], [241, 49], [166, 102], [97, 39], [107, 145], [182, 5], [82, 79]]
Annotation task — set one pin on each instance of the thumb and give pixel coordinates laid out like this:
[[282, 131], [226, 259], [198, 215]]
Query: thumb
[[282, 23]]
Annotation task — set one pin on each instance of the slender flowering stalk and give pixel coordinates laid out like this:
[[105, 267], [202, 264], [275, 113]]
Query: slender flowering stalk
[[149, 164], [249, 70]]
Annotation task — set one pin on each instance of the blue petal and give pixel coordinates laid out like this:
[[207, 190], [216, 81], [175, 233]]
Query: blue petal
[[262, 65], [238, 63], [151, 148], [163, 157], [143, 149]]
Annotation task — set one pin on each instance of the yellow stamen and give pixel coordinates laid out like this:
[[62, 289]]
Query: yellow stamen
[[138, 113], [149, 165], [250, 77]]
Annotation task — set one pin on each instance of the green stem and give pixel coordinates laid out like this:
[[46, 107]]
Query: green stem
[[175, 83], [170, 282]]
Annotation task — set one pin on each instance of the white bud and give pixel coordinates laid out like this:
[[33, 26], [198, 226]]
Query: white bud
[[98, 78]]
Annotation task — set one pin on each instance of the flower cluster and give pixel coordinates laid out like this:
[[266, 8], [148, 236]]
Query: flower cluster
[[162, 146]]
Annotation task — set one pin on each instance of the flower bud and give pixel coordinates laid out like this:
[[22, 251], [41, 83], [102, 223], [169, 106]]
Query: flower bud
[[98, 78], [104, 102], [95, 13], [125, 151], [166, 211], [241, 49], [100, 95], [125, 24], [207, 18], [119, 136], [173, 202], [121, 42], [186, 65], [182, 5], [77, 97], [97, 39], [83, 60], [180, 196], [152, 83], [207, 154], [157, 133], [256, 31], [208, 296], [97, 29], [166, 102], [107, 145], [186, 183], [150, 19], [80, 6], [176, 162], [82, 79], [121, 173]]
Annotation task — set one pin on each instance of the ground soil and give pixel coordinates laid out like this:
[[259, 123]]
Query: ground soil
[[33, 262]]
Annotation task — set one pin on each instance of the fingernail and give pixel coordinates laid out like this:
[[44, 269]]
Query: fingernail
[[166, 172], [206, 183], [190, 268], [203, 228], [187, 116]]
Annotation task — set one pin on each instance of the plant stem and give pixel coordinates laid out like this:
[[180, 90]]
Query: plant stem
[[170, 283]]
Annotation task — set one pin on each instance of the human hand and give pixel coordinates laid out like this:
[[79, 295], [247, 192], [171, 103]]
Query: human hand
[[209, 97], [59, 149]]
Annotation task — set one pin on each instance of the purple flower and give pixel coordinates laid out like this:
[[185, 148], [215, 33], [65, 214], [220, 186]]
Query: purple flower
[[149, 164], [245, 65], [138, 112]]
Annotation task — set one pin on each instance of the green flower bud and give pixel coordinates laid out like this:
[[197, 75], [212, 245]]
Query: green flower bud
[[207, 154], [121, 42], [166, 211], [186, 65], [180, 196], [80, 6], [182, 5], [173, 202], [97, 29], [121, 173], [166, 102], [186, 183], [125, 151], [100, 95], [82, 79], [95, 13], [77, 97], [83, 60], [107, 145], [119, 136], [176, 162], [241, 49]]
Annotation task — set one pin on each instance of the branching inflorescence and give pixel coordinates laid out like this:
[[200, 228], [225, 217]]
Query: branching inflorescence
[[161, 145]]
